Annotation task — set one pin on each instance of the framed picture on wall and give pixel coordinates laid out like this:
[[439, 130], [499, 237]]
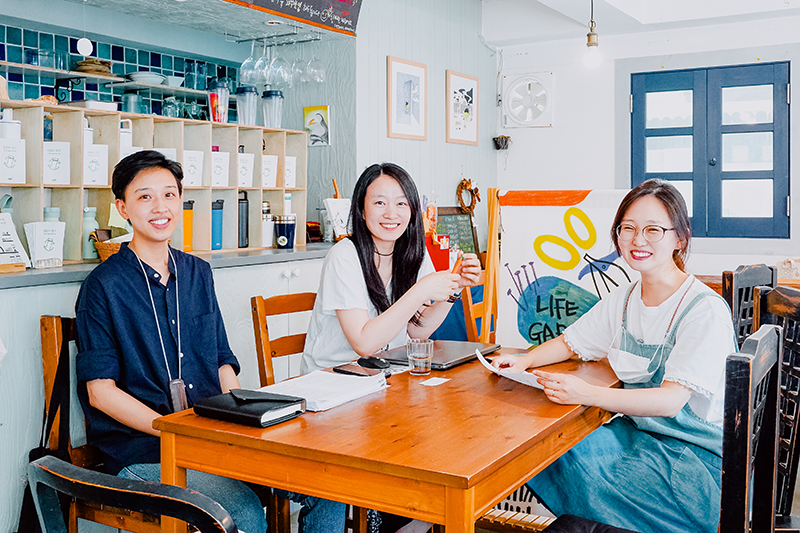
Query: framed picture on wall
[[406, 99], [462, 108], [317, 123]]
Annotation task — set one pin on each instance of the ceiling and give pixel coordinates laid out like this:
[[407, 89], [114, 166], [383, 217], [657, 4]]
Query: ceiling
[[505, 22], [510, 22], [214, 16]]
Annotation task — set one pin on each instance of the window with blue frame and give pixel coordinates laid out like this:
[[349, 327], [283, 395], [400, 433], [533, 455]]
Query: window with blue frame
[[721, 136]]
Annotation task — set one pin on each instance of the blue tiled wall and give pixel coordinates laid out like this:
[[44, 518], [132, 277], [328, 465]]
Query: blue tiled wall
[[14, 41]]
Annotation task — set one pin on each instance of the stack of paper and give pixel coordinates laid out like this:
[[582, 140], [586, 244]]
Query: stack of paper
[[323, 390], [46, 243], [525, 378], [11, 250]]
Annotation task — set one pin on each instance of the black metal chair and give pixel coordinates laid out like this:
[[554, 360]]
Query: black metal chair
[[738, 290], [781, 306], [750, 434], [49, 476]]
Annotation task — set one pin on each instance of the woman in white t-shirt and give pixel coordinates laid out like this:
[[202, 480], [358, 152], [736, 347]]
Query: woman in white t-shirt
[[667, 337], [378, 286]]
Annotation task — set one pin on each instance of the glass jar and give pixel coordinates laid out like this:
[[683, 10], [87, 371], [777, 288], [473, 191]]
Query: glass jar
[[171, 107]]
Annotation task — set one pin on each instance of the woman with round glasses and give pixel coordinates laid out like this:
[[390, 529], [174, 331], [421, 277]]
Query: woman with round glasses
[[657, 468]]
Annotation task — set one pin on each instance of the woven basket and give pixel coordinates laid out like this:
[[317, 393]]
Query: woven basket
[[107, 249]]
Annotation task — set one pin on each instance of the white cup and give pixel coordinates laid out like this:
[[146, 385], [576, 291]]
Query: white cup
[[88, 133], [10, 128]]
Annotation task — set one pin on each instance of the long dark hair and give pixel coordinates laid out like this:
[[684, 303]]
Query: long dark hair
[[673, 202], [409, 249]]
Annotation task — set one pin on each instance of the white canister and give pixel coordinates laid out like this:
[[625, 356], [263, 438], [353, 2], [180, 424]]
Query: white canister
[[10, 128], [126, 133]]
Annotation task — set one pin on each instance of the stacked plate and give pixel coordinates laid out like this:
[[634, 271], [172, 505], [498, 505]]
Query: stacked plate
[[146, 77]]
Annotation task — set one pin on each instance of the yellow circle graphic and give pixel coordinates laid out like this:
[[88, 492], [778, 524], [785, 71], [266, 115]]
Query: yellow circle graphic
[[574, 256], [587, 243]]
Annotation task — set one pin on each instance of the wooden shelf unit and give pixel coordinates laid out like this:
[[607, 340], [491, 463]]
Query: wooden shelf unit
[[150, 132]]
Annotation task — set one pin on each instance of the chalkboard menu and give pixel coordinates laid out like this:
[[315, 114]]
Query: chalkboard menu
[[457, 224], [336, 15]]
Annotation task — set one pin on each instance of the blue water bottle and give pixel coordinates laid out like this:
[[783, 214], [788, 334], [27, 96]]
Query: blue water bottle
[[216, 224]]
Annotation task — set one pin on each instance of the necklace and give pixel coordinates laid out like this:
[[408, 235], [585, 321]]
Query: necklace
[[177, 388], [384, 255]]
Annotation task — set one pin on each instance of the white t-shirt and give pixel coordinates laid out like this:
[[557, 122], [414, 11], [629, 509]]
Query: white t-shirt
[[703, 341], [342, 286]]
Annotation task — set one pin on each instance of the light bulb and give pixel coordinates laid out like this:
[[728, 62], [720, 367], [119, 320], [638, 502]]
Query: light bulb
[[85, 47], [592, 58]]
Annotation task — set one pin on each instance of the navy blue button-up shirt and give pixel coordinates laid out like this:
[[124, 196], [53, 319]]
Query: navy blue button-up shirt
[[118, 339]]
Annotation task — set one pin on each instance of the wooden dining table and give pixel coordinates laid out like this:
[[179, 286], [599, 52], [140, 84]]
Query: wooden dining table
[[445, 453]]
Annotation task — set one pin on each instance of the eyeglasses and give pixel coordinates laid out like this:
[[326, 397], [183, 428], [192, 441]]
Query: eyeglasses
[[652, 234]]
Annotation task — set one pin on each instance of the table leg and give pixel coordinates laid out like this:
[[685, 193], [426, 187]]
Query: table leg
[[459, 514], [171, 474]]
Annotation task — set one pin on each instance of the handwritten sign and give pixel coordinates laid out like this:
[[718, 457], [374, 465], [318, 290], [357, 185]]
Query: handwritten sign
[[457, 224], [337, 15]]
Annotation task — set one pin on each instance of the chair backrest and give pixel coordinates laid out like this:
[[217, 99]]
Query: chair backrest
[[55, 331], [267, 348], [781, 306], [473, 312], [49, 476], [737, 290], [749, 440]]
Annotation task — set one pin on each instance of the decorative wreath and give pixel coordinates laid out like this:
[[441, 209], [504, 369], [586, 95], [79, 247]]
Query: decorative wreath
[[475, 195]]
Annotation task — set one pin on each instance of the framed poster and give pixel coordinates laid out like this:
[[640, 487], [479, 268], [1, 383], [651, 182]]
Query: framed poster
[[462, 108], [561, 263], [407, 99], [317, 122]]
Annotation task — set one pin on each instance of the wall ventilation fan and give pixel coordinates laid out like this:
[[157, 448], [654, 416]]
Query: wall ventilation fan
[[528, 100]]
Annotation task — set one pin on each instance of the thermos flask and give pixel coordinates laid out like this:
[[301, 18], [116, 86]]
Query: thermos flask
[[216, 224], [188, 216], [243, 220]]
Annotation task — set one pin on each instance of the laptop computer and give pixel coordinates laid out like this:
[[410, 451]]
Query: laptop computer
[[446, 354]]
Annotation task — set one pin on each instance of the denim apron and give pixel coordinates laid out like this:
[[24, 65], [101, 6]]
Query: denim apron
[[648, 474]]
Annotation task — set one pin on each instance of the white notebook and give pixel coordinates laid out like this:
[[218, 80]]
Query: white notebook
[[324, 390]]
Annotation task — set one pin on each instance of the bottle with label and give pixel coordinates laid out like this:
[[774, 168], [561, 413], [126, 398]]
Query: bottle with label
[[89, 225], [267, 226]]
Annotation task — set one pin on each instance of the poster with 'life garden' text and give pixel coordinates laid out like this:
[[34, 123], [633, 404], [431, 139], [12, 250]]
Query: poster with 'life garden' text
[[556, 261]]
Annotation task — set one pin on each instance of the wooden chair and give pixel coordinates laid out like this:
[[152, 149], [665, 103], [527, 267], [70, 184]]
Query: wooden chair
[[56, 330], [267, 349], [750, 434], [781, 306], [473, 311], [738, 290], [49, 476], [749, 449]]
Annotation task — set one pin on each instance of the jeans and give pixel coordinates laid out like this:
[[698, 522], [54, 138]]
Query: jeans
[[316, 516]]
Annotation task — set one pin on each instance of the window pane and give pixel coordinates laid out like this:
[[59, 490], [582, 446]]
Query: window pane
[[747, 105], [685, 188], [669, 154], [671, 109], [747, 151], [747, 198]]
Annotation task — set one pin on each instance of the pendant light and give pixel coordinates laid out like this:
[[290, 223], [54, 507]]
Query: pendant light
[[85, 46], [592, 59]]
